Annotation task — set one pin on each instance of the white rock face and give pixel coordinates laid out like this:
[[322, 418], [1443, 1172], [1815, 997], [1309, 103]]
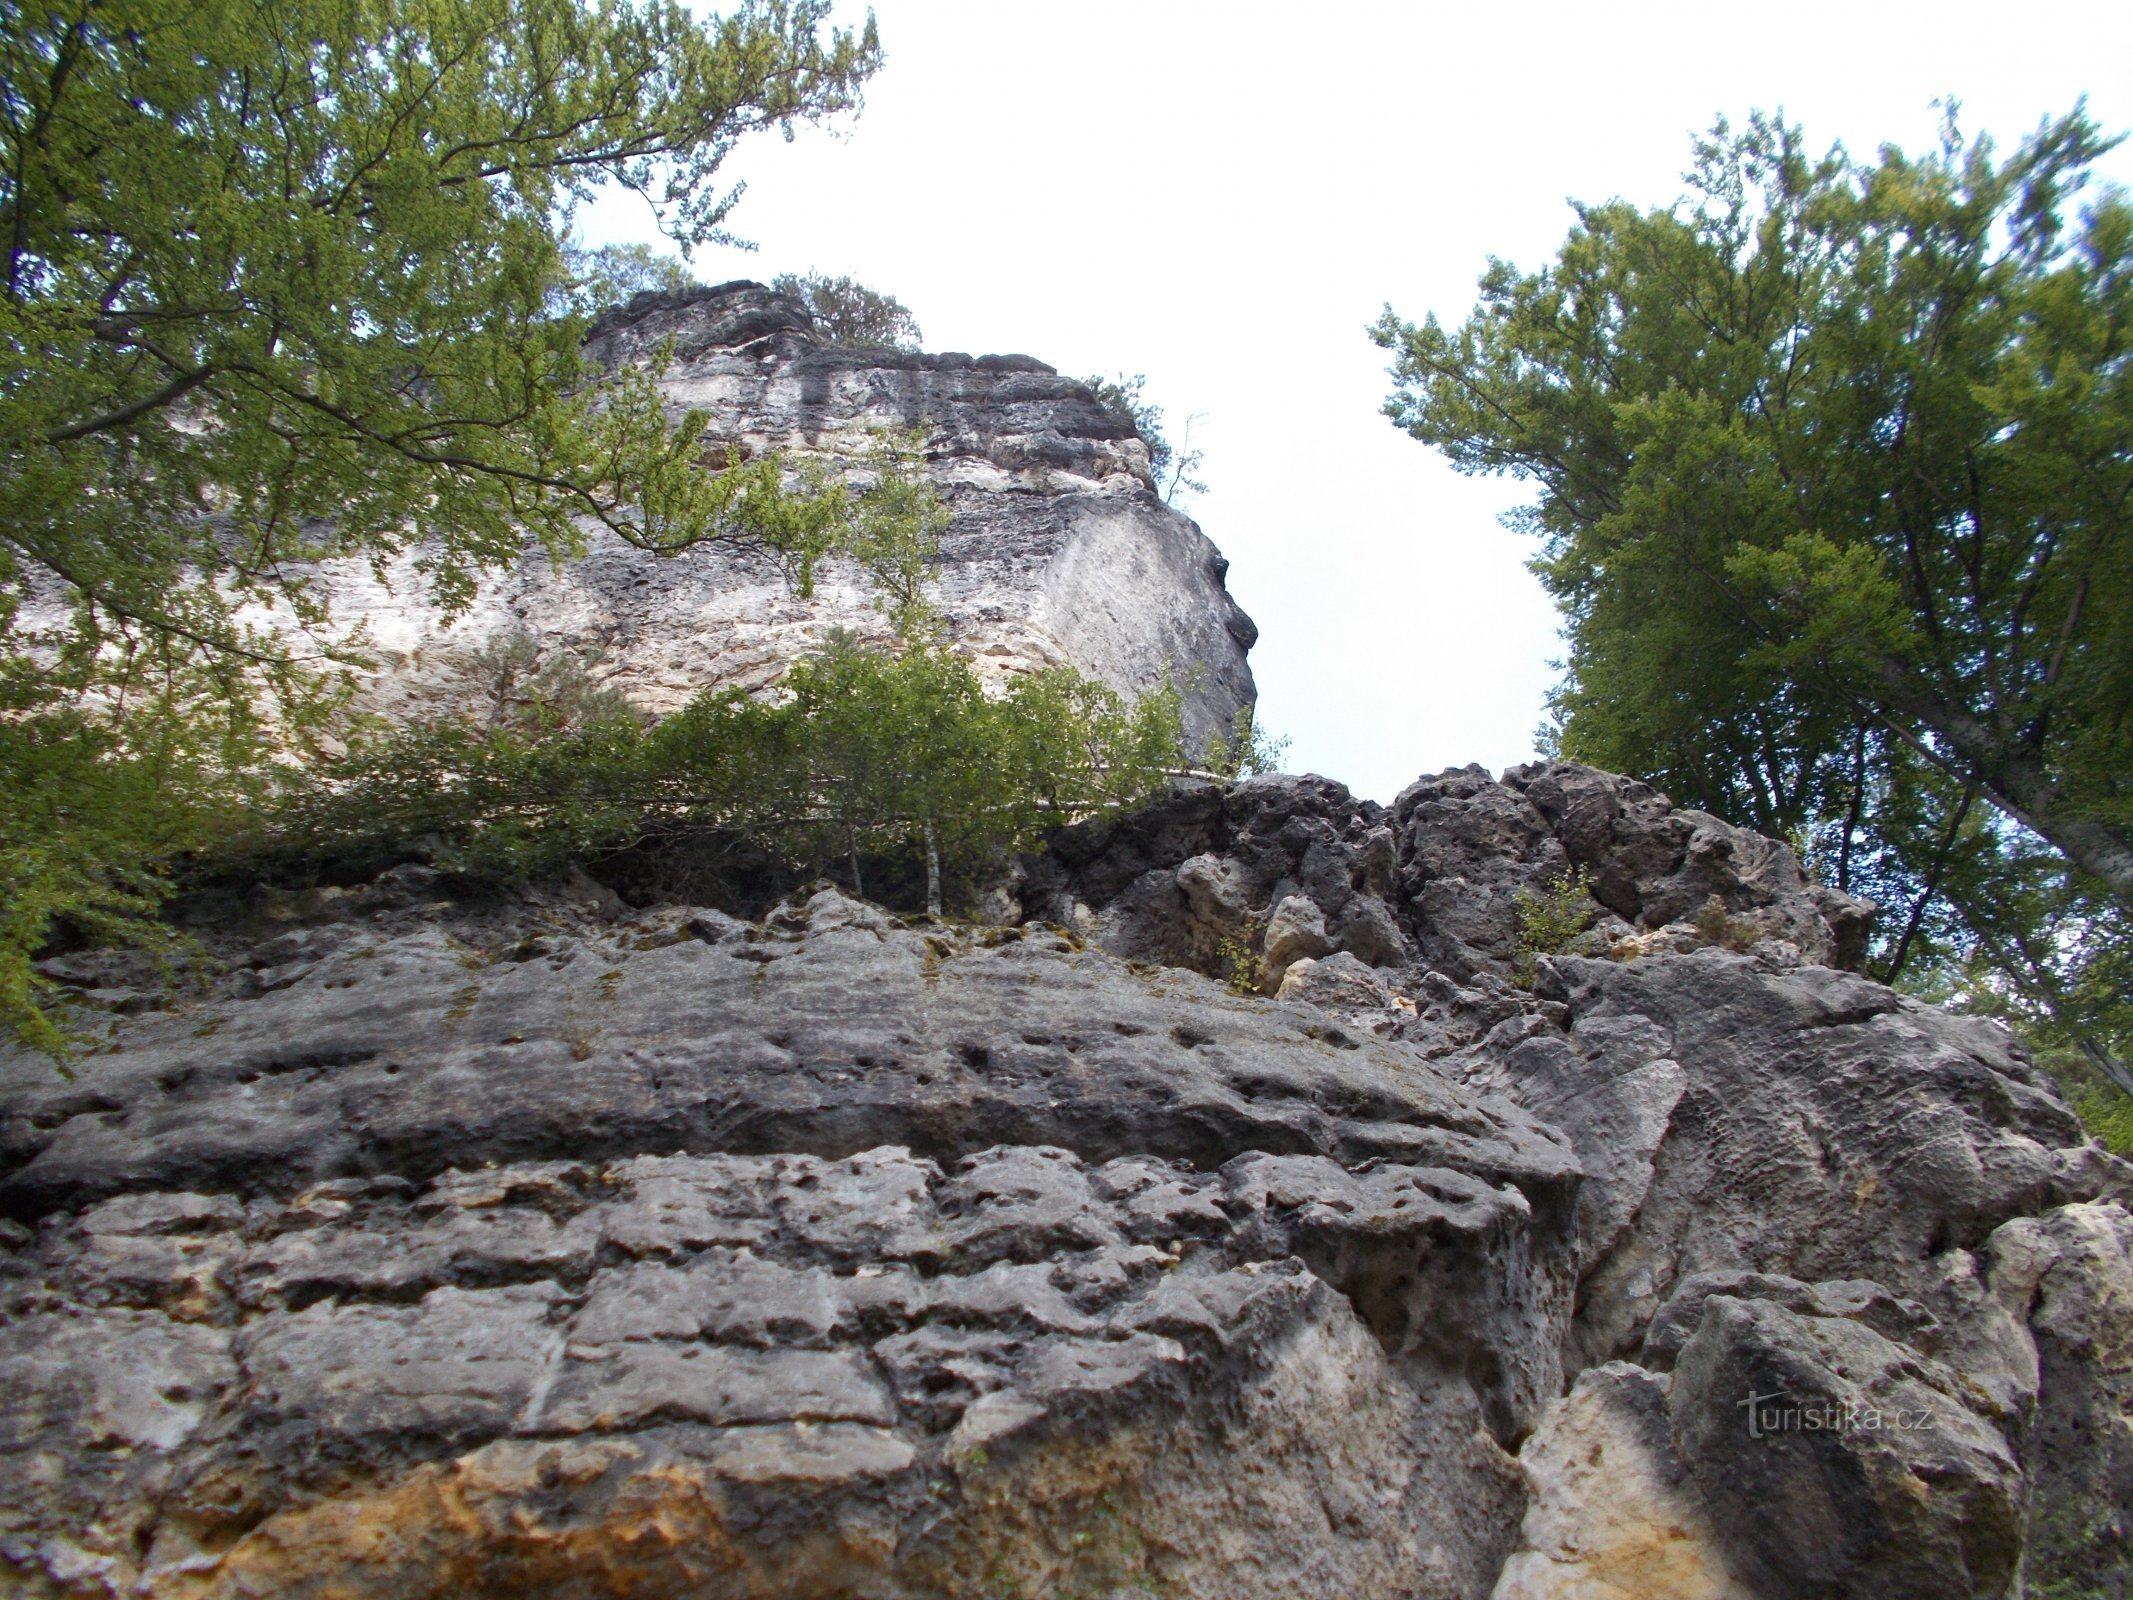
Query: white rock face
[[1612, 1515], [1060, 552]]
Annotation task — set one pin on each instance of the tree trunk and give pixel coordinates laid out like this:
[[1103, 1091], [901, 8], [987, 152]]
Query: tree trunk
[[933, 873], [2012, 779], [2109, 1065]]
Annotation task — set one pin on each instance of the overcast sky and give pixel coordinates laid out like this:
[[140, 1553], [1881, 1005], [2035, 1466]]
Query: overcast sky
[[1223, 195]]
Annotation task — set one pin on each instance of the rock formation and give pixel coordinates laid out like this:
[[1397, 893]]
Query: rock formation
[[549, 1245], [1250, 1203], [1060, 552]]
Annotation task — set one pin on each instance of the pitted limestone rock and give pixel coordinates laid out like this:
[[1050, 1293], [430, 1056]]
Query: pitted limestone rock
[[873, 1329], [542, 1245], [1435, 884], [462, 1210]]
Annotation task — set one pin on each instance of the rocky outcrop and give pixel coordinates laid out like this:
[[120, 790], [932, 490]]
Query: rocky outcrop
[[1297, 868], [549, 1245], [465, 1255], [1060, 552]]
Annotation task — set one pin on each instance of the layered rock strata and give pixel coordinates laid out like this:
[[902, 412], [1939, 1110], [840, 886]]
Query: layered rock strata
[[547, 1245], [1060, 551]]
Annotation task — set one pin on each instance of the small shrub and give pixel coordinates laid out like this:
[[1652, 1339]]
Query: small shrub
[[1246, 749], [1550, 919], [1720, 927], [1237, 957]]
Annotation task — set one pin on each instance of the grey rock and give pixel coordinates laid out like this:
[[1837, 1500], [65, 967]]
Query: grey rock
[[1470, 845], [613, 1222], [831, 1033], [1367, 930], [1613, 1511], [1825, 1128], [1344, 986], [1860, 1299], [550, 1246], [2069, 1276], [1434, 884], [1296, 931], [930, 1348], [1613, 1088], [1839, 1463], [1172, 883]]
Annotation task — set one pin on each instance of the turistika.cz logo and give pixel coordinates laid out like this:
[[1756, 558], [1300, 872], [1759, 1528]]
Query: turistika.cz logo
[[1778, 1412]]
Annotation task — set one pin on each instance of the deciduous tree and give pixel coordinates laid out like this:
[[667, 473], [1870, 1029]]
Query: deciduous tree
[[1834, 472], [290, 279]]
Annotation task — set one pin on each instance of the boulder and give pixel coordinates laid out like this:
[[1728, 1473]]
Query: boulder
[[1296, 931], [1837, 1462]]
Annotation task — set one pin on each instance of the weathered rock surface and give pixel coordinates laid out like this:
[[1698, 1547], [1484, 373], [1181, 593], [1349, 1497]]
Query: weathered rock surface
[[1613, 1511], [1790, 1120], [550, 1246], [1838, 1462], [1432, 884], [2067, 1277], [585, 1240], [1060, 552]]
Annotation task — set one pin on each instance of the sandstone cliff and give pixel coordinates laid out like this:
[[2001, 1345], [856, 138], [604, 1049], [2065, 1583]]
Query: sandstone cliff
[[1060, 552], [552, 1246]]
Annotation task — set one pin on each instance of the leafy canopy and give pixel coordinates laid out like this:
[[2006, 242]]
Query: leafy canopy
[[291, 281], [850, 313], [280, 281], [874, 753], [1833, 464]]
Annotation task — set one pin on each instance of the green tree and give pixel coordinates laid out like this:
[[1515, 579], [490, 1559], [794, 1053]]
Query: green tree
[[1174, 468], [292, 281], [867, 754], [1834, 471], [612, 274], [850, 313]]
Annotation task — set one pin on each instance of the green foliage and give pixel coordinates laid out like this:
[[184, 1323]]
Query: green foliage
[[1549, 920], [1246, 749], [868, 753], [1834, 473], [2108, 1111], [531, 694], [894, 531], [1173, 469], [609, 276], [293, 282], [850, 313], [1237, 957], [85, 831], [279, 284]]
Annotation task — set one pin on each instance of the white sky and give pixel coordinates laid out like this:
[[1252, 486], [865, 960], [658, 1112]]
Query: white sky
[[1223, 195]]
